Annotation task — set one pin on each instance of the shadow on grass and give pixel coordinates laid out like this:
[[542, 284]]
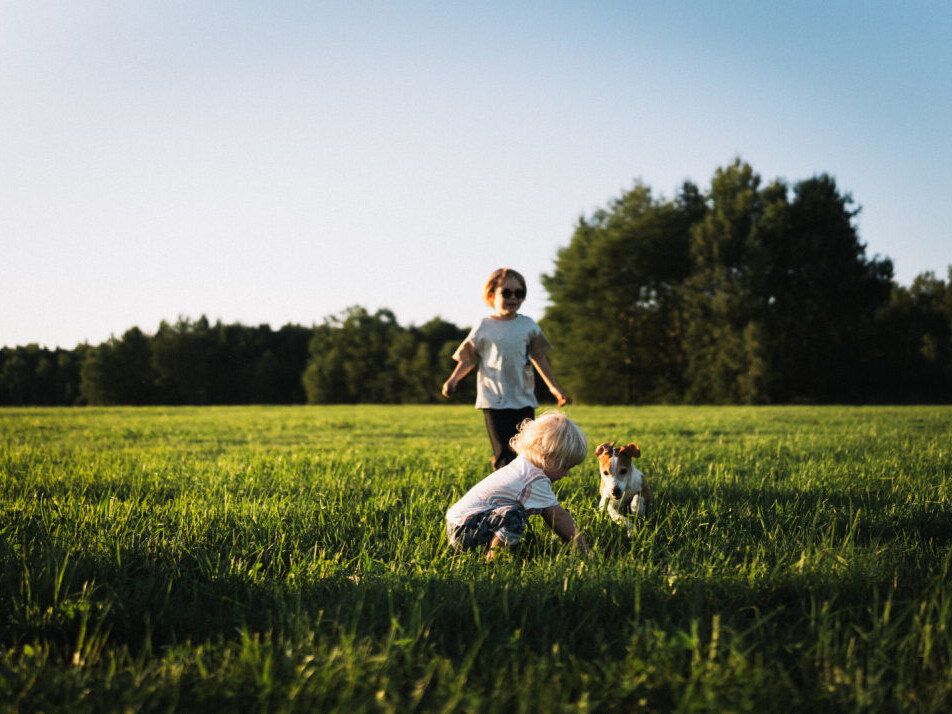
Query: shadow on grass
[[587, 607], [865, 517]]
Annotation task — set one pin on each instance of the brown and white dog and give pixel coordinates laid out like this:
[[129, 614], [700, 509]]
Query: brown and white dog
[[623, 487]]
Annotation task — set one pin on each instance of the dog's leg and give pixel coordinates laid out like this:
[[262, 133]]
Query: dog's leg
[[638, 505], [619, 518], [616, 516], [624, 522]]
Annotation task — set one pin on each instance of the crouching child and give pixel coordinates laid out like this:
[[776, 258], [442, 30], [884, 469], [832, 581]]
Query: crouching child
[[495, 512]]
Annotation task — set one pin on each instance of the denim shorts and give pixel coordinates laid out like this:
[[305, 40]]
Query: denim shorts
[[509, 523]]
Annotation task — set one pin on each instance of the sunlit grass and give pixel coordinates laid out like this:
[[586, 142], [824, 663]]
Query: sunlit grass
[[294, 558]]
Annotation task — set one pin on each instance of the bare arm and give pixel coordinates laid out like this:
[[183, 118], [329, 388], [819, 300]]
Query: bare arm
[[563, 525], [463, 367], [542, 365]]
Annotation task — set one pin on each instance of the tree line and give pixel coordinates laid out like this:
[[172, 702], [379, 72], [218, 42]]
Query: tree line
[[747, 293], [352, 357]]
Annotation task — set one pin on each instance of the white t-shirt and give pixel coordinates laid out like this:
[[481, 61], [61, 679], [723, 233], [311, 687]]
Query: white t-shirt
[[519, 482], [505, 378]]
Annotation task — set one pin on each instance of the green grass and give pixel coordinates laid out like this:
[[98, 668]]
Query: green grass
[[294, 559]]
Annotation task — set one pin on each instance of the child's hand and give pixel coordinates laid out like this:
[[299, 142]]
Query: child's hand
[[449, 386]]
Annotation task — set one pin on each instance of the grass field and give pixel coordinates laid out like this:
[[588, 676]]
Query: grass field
[[294, 559]]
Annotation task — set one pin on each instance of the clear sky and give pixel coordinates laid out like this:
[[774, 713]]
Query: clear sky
[[277, 162]]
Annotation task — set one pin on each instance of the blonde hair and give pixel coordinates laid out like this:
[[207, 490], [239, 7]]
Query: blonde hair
[[551, 440], [497, 278]]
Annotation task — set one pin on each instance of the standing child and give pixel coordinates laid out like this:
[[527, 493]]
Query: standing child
[[504, 347], [495, 512]]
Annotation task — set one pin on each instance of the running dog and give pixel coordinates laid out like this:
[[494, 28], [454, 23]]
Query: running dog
[[623, 487]]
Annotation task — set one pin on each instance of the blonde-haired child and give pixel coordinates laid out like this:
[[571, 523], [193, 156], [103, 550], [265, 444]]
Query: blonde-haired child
[[504, 348], [495, 512]]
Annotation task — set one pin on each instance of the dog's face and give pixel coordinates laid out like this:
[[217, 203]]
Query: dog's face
[[617, 474]]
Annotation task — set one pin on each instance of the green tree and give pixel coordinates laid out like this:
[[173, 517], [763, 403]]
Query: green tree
[[351, 361], [409, 363], [724, 334], [68, 365], [184, 358], [744, 295], [289, 345], [119, 371], [820, 295], [94, 385], [432, 362], [15, 380], [913, 347], [616, 312]]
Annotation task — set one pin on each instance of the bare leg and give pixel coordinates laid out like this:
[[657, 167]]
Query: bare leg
[[494, 544]]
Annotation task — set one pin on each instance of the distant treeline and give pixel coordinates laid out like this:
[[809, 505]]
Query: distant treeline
[[745, 294], [351, 358]]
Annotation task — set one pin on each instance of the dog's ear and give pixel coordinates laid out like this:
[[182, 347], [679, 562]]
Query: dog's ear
[[631, 450], [605, 448]]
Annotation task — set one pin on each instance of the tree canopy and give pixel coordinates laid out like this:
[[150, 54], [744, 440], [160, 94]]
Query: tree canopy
[[749, 292]]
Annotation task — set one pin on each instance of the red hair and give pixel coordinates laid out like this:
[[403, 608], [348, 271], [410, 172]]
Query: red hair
[[497, 278]]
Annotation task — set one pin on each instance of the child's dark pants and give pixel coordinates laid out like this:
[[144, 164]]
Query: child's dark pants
[[502, 425]]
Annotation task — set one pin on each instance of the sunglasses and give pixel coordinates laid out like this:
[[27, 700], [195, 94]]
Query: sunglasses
[[518, 293]]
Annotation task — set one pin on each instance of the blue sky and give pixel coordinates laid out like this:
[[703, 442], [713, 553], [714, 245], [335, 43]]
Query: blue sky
[[276, 162]]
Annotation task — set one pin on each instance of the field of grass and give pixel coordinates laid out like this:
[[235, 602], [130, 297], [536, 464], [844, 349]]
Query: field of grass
[[294, 559]]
